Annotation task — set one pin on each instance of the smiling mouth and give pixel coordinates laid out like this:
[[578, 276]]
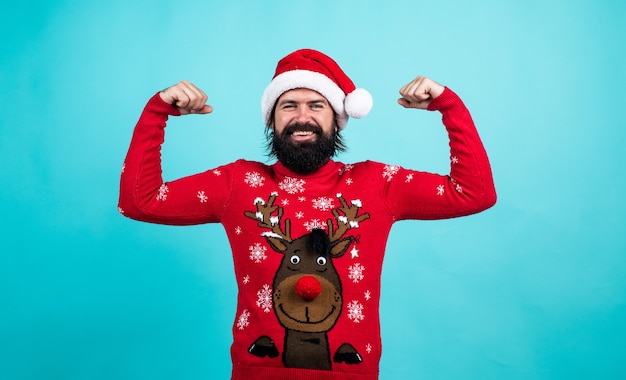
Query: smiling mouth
[[303, 133], [308, 321]]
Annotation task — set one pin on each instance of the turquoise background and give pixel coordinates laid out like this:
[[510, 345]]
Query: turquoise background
[[534, 288]]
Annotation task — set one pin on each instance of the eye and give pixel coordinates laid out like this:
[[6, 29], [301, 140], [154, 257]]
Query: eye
[[321, 261], [295, 259]]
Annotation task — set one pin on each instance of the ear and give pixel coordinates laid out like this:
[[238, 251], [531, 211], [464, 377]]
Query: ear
[[278, 244], [340, 247]]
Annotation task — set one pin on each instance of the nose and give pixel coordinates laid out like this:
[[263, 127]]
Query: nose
[[308, 288], [303, 115]]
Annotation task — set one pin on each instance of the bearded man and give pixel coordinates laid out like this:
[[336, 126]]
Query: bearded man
[[307, 233]]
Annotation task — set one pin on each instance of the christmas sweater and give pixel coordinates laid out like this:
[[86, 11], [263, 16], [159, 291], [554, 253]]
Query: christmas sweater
[[307, 249]]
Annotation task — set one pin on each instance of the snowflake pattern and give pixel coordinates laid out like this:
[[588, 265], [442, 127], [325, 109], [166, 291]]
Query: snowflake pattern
[[257, 252], [314, 224], [457, 187], [162, 195], [356, 272], [367, 295], [254, 179], [292, 185], [323, 203], [217, 172], [284, 202], [238, 230], [349, 181], [244, 320], [203, 198], [389, 171], [120, 210], [368, 348], [246, 279], [299, 215], [409, 178], [346, 168], [440, 190], [264, 298], [301, 199], [454, 159], [355, 311]]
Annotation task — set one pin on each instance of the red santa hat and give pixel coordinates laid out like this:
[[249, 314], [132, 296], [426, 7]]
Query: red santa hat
[[316, 71]]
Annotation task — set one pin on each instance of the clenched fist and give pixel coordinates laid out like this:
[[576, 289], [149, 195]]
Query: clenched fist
[[187, 98], [419, 93]]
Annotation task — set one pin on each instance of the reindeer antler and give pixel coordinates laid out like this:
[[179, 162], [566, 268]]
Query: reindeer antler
[[264, 215], [349, 219]]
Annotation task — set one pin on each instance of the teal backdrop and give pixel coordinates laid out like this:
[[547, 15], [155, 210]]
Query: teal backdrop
[[534, 288]]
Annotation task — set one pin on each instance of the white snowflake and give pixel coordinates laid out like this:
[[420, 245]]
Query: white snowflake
[[203, 198], [257, 252], [292, 185], [123, 167], [254, 179], [349, 181], [264, 298], [440, 190], [367, 295], [299, 215], [323, 203], [238, 230], [284, 202], [120, 210], [217, 172], [390, 171], [313, 225], [368, 348], [409, 178], [246, 279], [302, 199], [454, 159], [355, 311], [346, 168], [244, 320], [162, 195], [356, 272], [457, 187]]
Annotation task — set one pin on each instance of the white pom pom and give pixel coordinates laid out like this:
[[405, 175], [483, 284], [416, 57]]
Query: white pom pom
[[358, 103]]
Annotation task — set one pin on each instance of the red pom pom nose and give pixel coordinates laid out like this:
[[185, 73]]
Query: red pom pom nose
[[308, 288]]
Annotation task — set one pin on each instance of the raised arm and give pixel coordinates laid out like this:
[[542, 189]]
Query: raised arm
[[469, 187], [143, 193]]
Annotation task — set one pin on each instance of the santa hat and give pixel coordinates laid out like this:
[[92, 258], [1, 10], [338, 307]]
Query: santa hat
[[316, 71]]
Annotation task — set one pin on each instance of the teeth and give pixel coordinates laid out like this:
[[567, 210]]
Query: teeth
[[302, 133]]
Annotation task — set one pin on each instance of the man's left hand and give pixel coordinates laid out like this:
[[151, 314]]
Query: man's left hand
[[419, 93]]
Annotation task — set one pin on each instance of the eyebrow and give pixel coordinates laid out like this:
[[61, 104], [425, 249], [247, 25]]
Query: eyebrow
[[292, 101]]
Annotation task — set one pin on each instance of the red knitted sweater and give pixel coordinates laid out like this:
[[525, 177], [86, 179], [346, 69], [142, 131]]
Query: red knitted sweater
[[308, 302]]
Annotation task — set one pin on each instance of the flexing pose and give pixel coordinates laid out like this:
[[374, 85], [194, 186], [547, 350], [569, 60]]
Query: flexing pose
[[307, 233]]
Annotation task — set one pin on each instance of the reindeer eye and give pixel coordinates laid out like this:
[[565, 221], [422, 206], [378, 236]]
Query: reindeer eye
[[295, 259], [321, 261]]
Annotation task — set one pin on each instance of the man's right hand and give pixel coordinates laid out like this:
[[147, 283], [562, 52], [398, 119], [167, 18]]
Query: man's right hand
[[187, 98]]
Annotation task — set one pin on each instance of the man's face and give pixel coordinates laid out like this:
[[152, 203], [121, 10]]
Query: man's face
[[301, 107], [304, 130]]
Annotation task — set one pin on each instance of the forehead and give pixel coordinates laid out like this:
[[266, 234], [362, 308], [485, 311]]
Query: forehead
[[302, 95]]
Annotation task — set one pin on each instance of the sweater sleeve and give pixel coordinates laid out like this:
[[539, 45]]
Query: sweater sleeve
[[467, 189], [144, 195]]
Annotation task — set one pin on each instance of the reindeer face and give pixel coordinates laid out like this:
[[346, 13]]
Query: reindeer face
[[307, 291]]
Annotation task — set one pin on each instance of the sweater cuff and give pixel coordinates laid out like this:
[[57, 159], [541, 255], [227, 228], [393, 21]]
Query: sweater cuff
[[447, 99], [157, 105]]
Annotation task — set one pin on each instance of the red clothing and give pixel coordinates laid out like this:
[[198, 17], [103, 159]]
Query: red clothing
[[331, 330]]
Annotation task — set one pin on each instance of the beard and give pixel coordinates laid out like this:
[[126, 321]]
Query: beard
[[305, 157]]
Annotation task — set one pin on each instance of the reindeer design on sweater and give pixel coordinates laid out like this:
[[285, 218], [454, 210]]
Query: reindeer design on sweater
[[307, 290]]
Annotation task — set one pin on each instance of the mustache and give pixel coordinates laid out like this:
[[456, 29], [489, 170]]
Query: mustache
[[296, 126]]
